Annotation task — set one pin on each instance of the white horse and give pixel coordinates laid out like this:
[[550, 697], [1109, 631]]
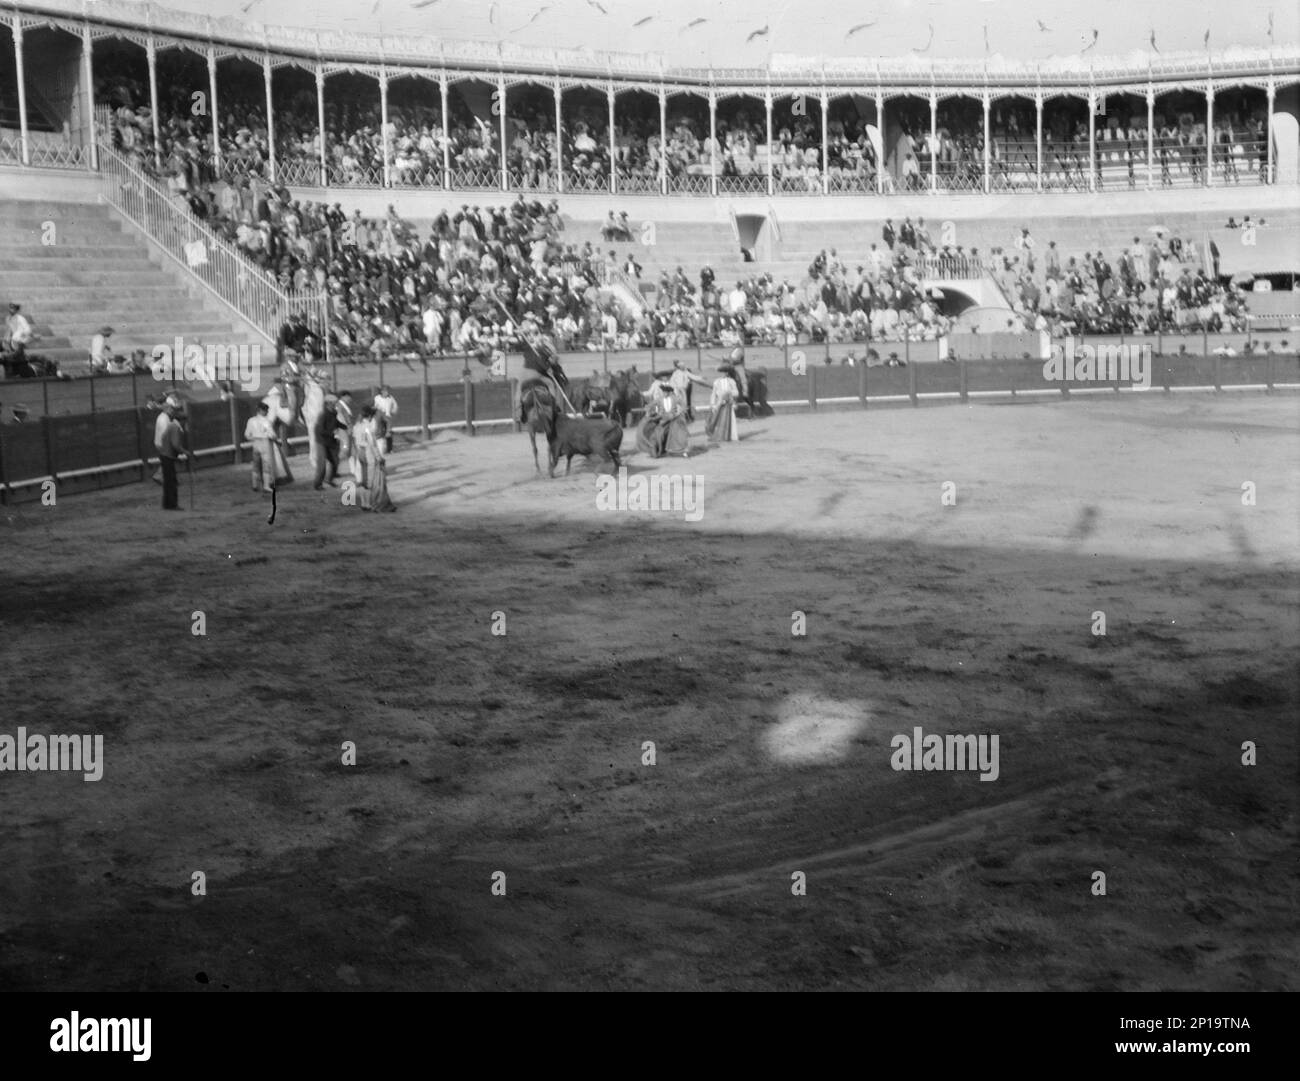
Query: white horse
[[313, 404]]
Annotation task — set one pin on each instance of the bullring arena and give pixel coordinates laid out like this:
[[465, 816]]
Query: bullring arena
[[601, 746]]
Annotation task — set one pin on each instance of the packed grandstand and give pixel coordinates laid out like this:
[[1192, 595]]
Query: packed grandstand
[[479, 159]]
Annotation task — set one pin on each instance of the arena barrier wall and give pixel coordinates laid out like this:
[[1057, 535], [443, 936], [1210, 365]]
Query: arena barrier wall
[[114, 445], [36, 398]]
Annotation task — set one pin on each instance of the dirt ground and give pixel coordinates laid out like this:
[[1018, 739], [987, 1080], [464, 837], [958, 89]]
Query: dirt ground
[[523, 753]]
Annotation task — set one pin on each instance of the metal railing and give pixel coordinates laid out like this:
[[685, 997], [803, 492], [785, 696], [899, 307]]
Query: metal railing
[[586, 181], [426, 175], [44, 155], [539, 177], [950, 178], [742, 184], [689, 184], [11, 149], [303, 172], [475, 177], [630, 183], [209, 260], [798, 182], [355, 176], [843, 182], [950, 267], [238, 168]]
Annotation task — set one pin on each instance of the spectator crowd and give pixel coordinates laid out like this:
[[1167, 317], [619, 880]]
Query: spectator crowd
[[467, 281]]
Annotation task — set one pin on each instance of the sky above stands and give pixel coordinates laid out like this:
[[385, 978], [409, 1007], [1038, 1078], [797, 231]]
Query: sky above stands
[[1017, 29]]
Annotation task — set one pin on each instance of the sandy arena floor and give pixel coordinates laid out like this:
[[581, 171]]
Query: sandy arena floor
[[522, 753]]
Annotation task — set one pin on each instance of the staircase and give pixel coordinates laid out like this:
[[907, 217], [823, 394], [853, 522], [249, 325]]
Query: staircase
[[100, 271]]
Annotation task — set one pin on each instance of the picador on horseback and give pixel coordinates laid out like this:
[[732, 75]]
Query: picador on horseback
[[540, 356]]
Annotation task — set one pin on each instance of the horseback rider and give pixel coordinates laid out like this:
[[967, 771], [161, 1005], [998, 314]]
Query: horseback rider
[[540, 356]]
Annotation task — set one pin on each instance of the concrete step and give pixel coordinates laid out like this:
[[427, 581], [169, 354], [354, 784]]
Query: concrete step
[[164, 330], [69, 351], [26, 210], [24, 254], [112, 261], [99, 271], [162, 303], [161, 329], [63, 236], [31, 283], [68, 313]]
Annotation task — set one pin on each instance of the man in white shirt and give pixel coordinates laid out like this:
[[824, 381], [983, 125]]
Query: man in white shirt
[[163, 420], [876, 261], [169, 442], [433, 323], [100, 354], [260, 432], [386, 407], [1025, 244], [18, 334], [681, 381]]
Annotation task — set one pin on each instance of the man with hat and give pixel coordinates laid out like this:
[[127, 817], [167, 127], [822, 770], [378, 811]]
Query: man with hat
[[663, 431], [539, 354], [326, 436], [169, 442]]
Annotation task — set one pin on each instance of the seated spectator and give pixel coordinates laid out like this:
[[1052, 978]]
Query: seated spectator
[[100, 355]]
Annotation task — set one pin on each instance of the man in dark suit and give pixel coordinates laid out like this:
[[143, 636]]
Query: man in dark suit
[[293, 333], [327, 444]]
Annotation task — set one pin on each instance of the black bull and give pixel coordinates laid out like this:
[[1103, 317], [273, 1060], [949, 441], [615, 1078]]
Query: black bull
[[566, 436], [582, 435]]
